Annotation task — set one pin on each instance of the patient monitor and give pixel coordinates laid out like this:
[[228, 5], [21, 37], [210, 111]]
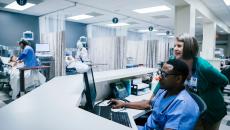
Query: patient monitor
[[28, 35]]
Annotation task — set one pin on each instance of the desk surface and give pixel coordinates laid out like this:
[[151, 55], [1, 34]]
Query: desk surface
[[54, 106]]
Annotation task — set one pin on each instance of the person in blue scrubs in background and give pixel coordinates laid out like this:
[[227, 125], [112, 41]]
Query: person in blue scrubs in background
[[27, 55], [172, 107]]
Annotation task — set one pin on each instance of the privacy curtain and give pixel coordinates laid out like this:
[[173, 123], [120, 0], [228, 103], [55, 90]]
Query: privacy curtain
[[107, 47], [165, 43], [158, 48], [52, 31], [120, 52], [152, 51], [136, 47]]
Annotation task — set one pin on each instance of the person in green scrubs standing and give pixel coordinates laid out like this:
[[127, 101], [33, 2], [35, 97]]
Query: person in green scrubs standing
[[203, 79]]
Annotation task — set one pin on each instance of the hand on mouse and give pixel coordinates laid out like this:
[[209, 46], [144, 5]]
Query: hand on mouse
[[117, 103]]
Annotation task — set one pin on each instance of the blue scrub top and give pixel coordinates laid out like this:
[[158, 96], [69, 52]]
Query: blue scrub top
[[175, 112], [28, 57]]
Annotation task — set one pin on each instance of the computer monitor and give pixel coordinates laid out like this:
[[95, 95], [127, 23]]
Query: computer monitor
[[43, 47], [90, 89], [28, 35]]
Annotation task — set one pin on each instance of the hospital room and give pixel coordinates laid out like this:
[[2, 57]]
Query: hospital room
[[115, 64]]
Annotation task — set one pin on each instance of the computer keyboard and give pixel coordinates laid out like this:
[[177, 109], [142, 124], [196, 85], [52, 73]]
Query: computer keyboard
[[121, 118], [103, 111]]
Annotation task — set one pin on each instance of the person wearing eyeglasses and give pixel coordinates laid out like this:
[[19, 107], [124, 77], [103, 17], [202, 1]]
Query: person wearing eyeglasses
[[203, 79], [172, 106]]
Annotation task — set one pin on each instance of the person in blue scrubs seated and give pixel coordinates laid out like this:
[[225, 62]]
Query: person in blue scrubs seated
[[27, 55], [172, 107]]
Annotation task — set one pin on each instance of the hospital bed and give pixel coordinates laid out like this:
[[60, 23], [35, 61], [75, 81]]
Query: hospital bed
[[32, 78], [74, 66]]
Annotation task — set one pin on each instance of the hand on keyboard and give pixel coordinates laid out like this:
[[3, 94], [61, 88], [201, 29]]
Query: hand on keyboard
[[116, 104], [110, 103]]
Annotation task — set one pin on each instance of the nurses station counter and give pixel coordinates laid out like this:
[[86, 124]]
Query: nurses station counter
[[54, 105]]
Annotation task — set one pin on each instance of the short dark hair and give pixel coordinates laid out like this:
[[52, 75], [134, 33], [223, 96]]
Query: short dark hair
[[23, 42], [190, 48], [179, 67]]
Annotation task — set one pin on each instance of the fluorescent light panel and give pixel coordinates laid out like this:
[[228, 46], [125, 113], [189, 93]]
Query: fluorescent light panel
[[199, 17], [227, 2], [152, 9], [118, 24], [15, 6], [161, 34], [80, 17], [146, 30], [171, 36]]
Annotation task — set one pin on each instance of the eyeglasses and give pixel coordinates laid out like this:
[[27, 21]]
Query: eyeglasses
[[164, 74]]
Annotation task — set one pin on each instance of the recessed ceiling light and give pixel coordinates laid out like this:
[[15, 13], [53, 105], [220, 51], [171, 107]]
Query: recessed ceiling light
[[143, 30], [146, 30], [118, 24], [80, 17], [161, 34], [227, 2], [15, 6], [199, 17], [152, 9], [171, 36]]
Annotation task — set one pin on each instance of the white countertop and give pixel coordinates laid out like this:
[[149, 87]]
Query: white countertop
[[53, 106]]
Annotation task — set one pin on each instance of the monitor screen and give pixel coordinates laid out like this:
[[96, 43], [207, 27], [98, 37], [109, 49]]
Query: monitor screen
[[28, 35], [90, 89], [43, 47]]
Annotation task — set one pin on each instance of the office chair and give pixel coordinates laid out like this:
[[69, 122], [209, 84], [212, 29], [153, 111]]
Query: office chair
[[201, 104], [202, 109]]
